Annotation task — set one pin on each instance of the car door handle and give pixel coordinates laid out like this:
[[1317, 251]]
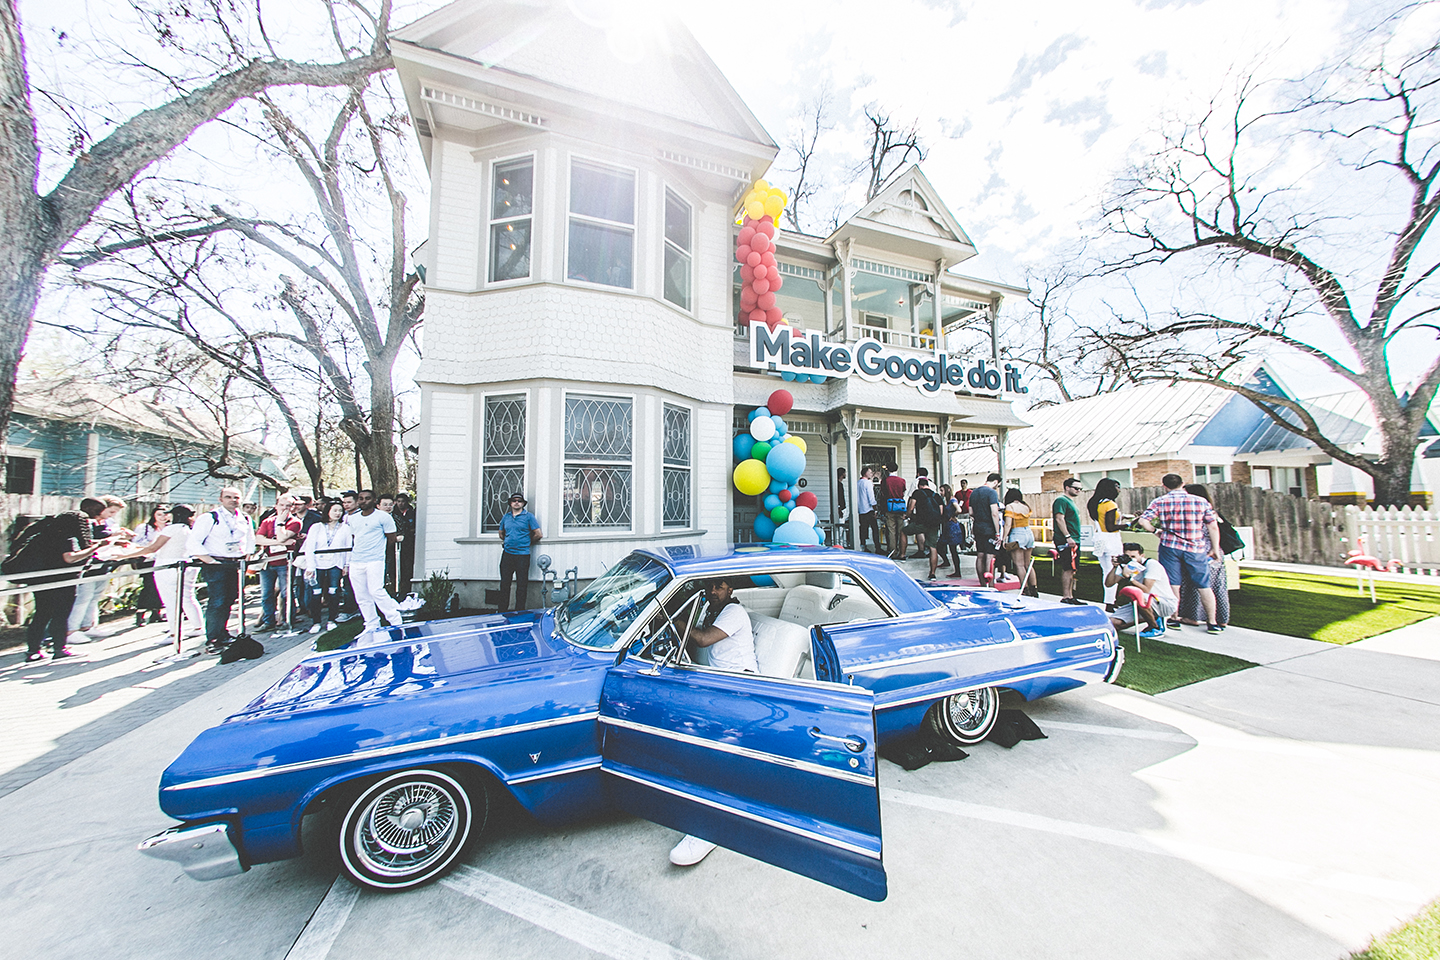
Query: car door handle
[[853, 744]]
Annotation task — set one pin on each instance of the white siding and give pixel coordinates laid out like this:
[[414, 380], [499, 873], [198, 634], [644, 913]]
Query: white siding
[[448, 484]]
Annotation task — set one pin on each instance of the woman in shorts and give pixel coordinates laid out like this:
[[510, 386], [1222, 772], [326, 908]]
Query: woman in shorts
[[1019, 540]]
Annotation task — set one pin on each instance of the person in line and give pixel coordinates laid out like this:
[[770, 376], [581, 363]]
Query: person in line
[[373, 533], [386, 503], [985, 526], [840, 511], [952, 531], [963, 496], [1104, 508], [350, 500], [892, 489], [64, 541], [405, 525], [1067, 538], [1191, 610], [1148, 589], [865, 507], [323, 568], [1189, 540], [724, 631], [1019, 539], [221, 539], [519, 530], [279, 535], [167, 549], [85, 613], [926, 510], [149, 601]]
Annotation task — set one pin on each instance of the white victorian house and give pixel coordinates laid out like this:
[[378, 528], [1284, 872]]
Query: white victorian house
[[581, 336]]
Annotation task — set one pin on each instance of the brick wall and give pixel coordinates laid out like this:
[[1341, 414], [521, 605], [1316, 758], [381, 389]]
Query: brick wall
[[1148, 473], [1052, 479], [1240, 472]]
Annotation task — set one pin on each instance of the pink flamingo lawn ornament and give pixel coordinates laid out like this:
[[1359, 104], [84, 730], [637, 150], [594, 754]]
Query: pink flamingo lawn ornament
[[1365, 566]]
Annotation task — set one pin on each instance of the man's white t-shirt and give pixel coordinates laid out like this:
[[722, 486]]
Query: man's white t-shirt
[[737, 650], [1163, 594], [369, 532]]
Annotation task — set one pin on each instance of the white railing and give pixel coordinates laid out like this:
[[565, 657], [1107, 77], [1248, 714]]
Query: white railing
[[1403, 537]]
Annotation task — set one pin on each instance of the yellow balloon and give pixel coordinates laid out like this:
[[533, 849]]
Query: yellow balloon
[[754, 209], [773, 206], [751, 477], [797, 441], [761, 185], [777, 192]]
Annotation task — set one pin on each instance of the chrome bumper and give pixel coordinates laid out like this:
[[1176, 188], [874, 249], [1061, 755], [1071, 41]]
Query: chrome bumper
[[205, 852]]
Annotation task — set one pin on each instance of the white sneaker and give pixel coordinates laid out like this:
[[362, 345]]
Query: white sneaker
[[317, 628], [329, 624], [690, 851], [78, 637]]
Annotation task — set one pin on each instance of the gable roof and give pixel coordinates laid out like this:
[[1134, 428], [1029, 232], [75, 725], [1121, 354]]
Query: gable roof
[[908, 217], [660, 69]]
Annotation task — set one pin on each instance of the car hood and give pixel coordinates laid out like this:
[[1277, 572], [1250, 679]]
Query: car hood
[[439, 655]]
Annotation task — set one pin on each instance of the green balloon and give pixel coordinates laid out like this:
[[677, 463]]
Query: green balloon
[[780, 514], [760, 451]]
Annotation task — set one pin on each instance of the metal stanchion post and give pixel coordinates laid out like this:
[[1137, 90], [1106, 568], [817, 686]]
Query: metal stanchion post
[[177, 612]]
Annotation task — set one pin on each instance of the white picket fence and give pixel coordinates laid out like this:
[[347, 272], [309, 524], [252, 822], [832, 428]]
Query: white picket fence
[[1410, 537]]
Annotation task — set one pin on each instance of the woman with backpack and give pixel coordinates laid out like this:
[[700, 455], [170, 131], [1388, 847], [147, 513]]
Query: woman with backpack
[[1019, 540], [952, 531]]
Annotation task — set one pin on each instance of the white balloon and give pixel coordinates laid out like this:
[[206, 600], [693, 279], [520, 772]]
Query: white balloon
[[803, 515], [762, 428]]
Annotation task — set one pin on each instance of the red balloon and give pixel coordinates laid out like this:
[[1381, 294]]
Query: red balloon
[[760, 242], [753, 259], [768, 229], [765, 301], [772, 324], [742, 252], [747, 273], [767, 219], [784, 496], [807, 499], [767, 258], [760, 286], [745, 234], [760, 272], [777, 281], [748, 298], [773, 316], [759, 316]]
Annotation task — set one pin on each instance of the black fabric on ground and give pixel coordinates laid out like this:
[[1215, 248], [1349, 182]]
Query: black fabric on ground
[[915, 752], [242, 648], [1011, 727]]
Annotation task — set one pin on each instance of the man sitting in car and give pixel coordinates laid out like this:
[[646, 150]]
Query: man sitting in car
[[725, 632]]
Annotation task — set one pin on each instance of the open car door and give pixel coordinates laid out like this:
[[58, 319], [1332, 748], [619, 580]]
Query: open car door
[[780, 770]]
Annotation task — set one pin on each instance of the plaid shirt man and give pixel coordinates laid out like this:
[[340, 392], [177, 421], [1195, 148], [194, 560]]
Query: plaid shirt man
[[1184, 520]]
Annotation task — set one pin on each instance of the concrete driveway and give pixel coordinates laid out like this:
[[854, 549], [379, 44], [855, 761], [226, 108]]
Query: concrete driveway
[[1286, 811]]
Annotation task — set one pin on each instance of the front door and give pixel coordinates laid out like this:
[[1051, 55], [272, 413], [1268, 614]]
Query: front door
[[778, 770]]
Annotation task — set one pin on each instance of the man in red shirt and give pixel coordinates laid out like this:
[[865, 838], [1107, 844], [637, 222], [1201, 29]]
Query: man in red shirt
[[892, 509], [279, 535]]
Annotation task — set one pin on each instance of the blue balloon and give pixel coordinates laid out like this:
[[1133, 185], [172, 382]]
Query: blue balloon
[[785, 462], [742, 446], [786, 375], [771, 502], [764, 528], [795, 532], [759, 412], [817, 378], [780, 428], [820, 532], [794, 490], [777, 485]]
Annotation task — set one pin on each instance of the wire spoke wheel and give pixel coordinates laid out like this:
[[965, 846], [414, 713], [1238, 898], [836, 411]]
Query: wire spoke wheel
[[965, 718], [405, 830]]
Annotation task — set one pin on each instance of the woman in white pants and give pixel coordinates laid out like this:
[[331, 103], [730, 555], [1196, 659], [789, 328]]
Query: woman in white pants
[[170, 546], [1104, 509]]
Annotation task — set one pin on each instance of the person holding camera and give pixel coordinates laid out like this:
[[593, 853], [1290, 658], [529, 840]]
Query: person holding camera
[[1148, 591]]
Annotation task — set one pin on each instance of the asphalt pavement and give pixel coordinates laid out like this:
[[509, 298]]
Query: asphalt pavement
[[1286, 811]]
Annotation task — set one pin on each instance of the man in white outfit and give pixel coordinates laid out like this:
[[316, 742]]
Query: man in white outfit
[[374, 532], [727, 634]]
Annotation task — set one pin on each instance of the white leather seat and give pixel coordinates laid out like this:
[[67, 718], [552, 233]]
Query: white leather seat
[[782, 649], [808, 605]]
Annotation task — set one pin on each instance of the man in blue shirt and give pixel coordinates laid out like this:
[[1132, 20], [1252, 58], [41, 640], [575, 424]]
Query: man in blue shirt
[[518, 531]]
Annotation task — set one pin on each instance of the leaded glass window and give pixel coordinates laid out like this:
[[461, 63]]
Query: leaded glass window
[[512, 200], [677, 251], [602, 225], [503, 471], [599, 441], [676, 468]]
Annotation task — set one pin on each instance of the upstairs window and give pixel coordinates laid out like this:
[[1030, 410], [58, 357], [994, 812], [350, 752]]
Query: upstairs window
[[20, 474], [677, 251], [511, 206], [602, 225]]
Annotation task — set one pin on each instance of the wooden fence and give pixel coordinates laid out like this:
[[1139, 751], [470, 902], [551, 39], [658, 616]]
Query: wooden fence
[[1408, 535]]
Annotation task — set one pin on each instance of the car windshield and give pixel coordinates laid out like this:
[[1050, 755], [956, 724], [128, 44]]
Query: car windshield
[[598, 617]]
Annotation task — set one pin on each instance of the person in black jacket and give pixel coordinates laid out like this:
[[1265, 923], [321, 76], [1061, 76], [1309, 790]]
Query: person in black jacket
[[65, 541]]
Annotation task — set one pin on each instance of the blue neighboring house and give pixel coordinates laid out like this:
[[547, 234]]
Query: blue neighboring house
[[75, 438]]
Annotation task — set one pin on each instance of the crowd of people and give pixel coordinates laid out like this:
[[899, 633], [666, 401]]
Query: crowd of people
[[344, 557]]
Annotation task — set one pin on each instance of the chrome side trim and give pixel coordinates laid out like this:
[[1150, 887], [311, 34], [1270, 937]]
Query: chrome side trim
[[1098, 643], [851, 666], [735, 811], [739, 751], [1002, 681], [557, 772], [378, 752]]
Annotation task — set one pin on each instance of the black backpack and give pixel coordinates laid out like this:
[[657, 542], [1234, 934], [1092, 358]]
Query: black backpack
[[927, 507], [26, 547]]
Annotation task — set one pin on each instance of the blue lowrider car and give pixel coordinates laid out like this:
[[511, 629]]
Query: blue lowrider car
[[411, 732]]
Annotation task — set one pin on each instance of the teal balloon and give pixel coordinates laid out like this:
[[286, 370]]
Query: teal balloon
[[817, 378], [759, 412], [819, 532], [771, 502], [780, 428], [742, 447], [777, 485], [764, 528], [785, 462], [761, 450], [786, 375], [780, 514], [797, 533]]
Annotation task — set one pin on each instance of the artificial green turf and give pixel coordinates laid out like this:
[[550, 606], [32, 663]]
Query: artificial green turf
[[1297, 604], [340, 636], [1162, 666], [1417, 939]]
